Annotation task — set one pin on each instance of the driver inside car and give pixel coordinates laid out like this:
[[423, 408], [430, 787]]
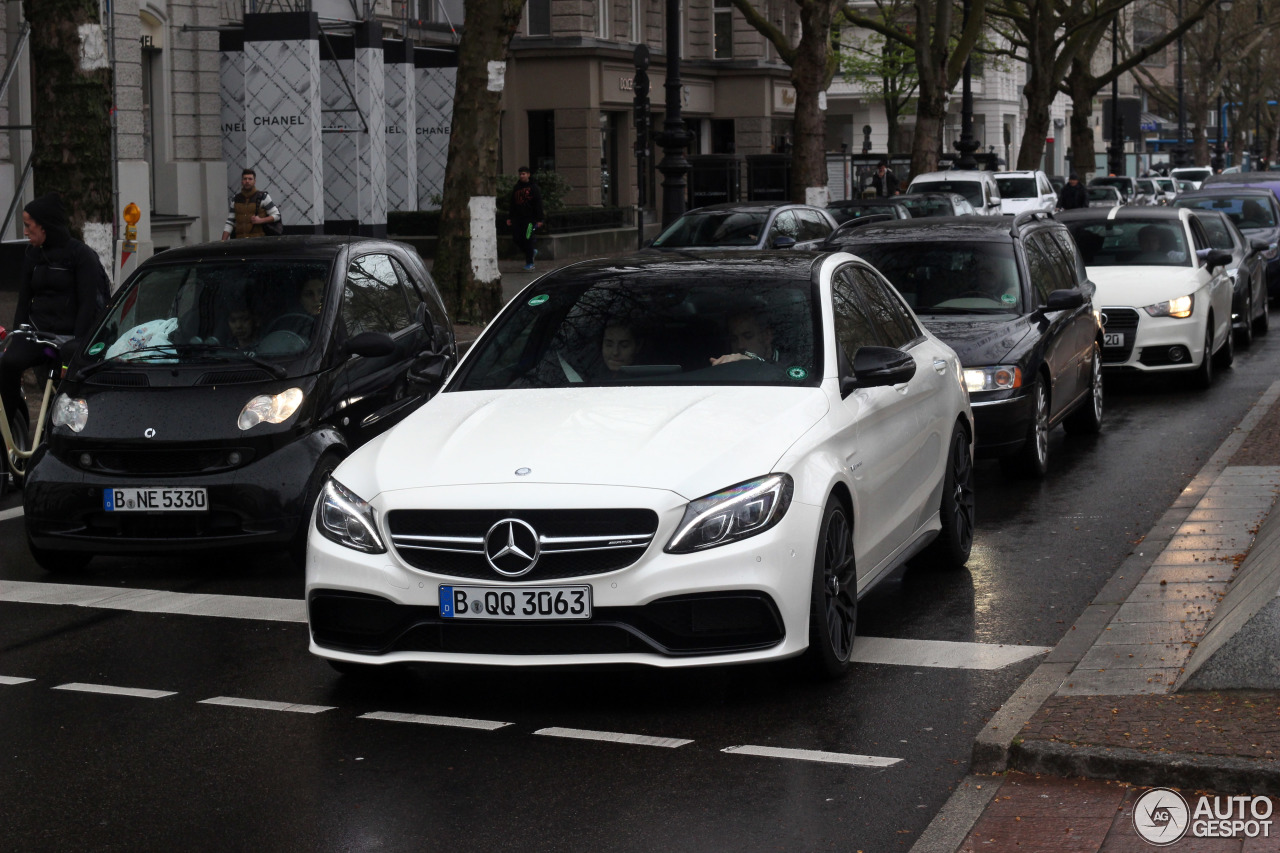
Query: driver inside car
[[750, 337]]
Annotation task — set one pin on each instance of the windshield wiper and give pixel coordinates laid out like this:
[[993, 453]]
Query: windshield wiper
[[275, 369], [158, 351]]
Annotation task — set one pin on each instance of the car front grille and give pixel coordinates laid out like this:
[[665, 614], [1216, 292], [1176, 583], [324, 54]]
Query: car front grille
[[161, 463], [574, 543], [1125, 321]]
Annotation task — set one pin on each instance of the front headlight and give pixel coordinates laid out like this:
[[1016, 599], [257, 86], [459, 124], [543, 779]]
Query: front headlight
[[1001, 377], [270, 408], [70, 412], [1179, 308], [343, 517], [1234, 273], [736, 513]]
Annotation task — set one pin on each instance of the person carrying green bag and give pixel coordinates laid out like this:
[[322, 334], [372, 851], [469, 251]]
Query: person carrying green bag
[[525, 214]]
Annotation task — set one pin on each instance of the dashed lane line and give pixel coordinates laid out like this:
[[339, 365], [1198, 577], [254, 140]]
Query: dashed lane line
[[814, 755], [432, 720], [12, 679], [135, 692], [7, 514], [614, 737], [262, 705]]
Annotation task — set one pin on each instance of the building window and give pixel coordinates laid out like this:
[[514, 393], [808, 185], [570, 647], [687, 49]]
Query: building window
[[539, 17], [722, 22], [722, 136], [542, 140]]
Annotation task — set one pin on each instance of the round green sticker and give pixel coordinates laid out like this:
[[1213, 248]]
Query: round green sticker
[[797, 373], [1008, 299], [539, 299], [97, 348]]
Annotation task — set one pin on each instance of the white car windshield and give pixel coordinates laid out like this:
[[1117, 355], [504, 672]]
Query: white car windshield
[[1017, 187], [971, 190], [651, 331], [192, 312], [1132, 242]]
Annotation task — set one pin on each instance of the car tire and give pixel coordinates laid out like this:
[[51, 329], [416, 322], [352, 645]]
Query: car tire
[[1244, 337], [59, 562], [951, 548], [1202, 378], [1087, 418], [1262, 324], [298, 545], [1031, 460], [1226, 354], [833, 599]]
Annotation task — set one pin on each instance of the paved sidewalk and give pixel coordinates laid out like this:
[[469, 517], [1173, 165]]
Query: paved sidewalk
[[1100, 722]]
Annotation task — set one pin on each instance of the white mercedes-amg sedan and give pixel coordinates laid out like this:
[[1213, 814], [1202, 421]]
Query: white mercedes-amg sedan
[[669, 461]]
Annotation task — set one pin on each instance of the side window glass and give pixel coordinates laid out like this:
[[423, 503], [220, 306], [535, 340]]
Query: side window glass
[[1040, 266], [785, 225], [374, 300], [1068, 246], [1198, 237], [854, 328], [1063, 264], [886, 311], [813, 226]]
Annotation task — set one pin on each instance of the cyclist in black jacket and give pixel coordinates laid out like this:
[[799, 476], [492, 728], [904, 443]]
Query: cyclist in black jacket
[[58, 294]]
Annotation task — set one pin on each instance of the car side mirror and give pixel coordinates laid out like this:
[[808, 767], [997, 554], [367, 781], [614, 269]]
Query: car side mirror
[[874, 367], [370, 345], [1064, 300], [1259, 245], [783, 242], [1217, 258]]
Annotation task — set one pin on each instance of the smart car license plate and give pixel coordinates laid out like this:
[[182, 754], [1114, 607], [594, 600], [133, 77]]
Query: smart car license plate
[[155, 500], [1112, 339], [526, 602]]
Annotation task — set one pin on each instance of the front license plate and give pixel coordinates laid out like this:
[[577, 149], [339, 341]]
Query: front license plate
[[155, 500], [1112, 339], [526, 602]]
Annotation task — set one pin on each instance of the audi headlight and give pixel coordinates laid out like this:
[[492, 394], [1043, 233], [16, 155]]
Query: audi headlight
[[70, 412], [1179, 308], [344, 517], [270, 408], [736, 513], [1001, 377]]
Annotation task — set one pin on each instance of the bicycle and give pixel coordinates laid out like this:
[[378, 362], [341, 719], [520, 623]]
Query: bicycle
[[18, 449]]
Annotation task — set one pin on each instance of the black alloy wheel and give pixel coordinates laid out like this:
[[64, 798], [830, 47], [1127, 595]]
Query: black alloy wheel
[[833, 603], [1087, 418], [1031, 460], [951, 548], [1202, 378], [1245, 336]]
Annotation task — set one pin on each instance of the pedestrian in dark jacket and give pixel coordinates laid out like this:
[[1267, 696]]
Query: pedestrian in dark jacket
[[57, 294], [1073, 195], [883, 181], [525, 214]]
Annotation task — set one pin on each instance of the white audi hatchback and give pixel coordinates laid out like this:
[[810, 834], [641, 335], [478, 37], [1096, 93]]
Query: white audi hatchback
[[666, 461], [1164, 292]]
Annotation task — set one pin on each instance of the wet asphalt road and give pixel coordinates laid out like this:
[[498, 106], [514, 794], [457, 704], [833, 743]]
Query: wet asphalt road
[[85, 771]]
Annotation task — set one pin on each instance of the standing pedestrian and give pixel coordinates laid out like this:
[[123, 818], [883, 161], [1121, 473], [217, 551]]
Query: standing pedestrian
[[524, 214], [253, 213], [884, 181], [1073, 195]]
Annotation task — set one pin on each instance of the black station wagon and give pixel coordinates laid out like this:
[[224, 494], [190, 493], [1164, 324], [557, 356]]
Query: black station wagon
[[224, 383]]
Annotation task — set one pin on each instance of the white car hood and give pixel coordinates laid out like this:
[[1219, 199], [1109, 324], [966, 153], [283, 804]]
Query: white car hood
[[690, 440], [1142, 285]]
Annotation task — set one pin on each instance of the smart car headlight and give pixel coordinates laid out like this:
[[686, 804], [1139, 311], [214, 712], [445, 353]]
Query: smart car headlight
[[1179, 308], [270, 408], [735, 513], [70, 412], [344, 517], [1001, 377]]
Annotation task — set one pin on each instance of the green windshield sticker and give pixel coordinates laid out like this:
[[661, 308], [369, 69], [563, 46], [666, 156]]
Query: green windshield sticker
[[1008, 299], [797, 373], [97, 348], [539, 299]]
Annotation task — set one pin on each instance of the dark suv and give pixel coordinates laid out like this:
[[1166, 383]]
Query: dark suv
[[1014, 302]]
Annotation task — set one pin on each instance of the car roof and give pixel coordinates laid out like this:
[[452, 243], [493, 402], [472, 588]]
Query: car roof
[[702, 264], [1143, 213], [748, 206], [856, 202], [953, 174], [302, 246], [1228, 191], [1019, 173], [987, 228]]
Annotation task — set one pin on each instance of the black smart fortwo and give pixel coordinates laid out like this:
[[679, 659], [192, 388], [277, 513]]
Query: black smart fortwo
[[224, 383]]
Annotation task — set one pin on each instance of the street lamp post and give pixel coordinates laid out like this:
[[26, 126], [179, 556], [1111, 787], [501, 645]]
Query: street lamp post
[[966, 144], [1180, 147], [675, 136], [1219, 150], [1115, 151]]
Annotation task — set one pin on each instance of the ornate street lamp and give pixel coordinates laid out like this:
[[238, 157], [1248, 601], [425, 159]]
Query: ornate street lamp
[[675, 136], [1115, 151], [966, 144], [1180, 147], [1219, 150]]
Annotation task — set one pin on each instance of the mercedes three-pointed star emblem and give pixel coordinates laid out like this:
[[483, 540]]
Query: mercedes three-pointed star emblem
[[512, 547]]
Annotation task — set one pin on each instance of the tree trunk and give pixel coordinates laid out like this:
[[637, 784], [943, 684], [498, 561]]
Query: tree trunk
[[1031, 152], [811, 73], [473, 291], [1080, 90], [71, 111], [931, 113]]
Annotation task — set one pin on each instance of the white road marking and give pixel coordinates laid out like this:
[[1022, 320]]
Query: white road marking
[[156, 601], [430, 720], [7, 514], [941, 653], [614, 737], [12, 679], [814, 755], [262, 705], [135, 692]]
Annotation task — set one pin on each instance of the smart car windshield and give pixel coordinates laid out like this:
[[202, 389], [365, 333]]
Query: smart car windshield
[[1131, 242], [651, 331], [714, 228], [232, 311], [949, 277]]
